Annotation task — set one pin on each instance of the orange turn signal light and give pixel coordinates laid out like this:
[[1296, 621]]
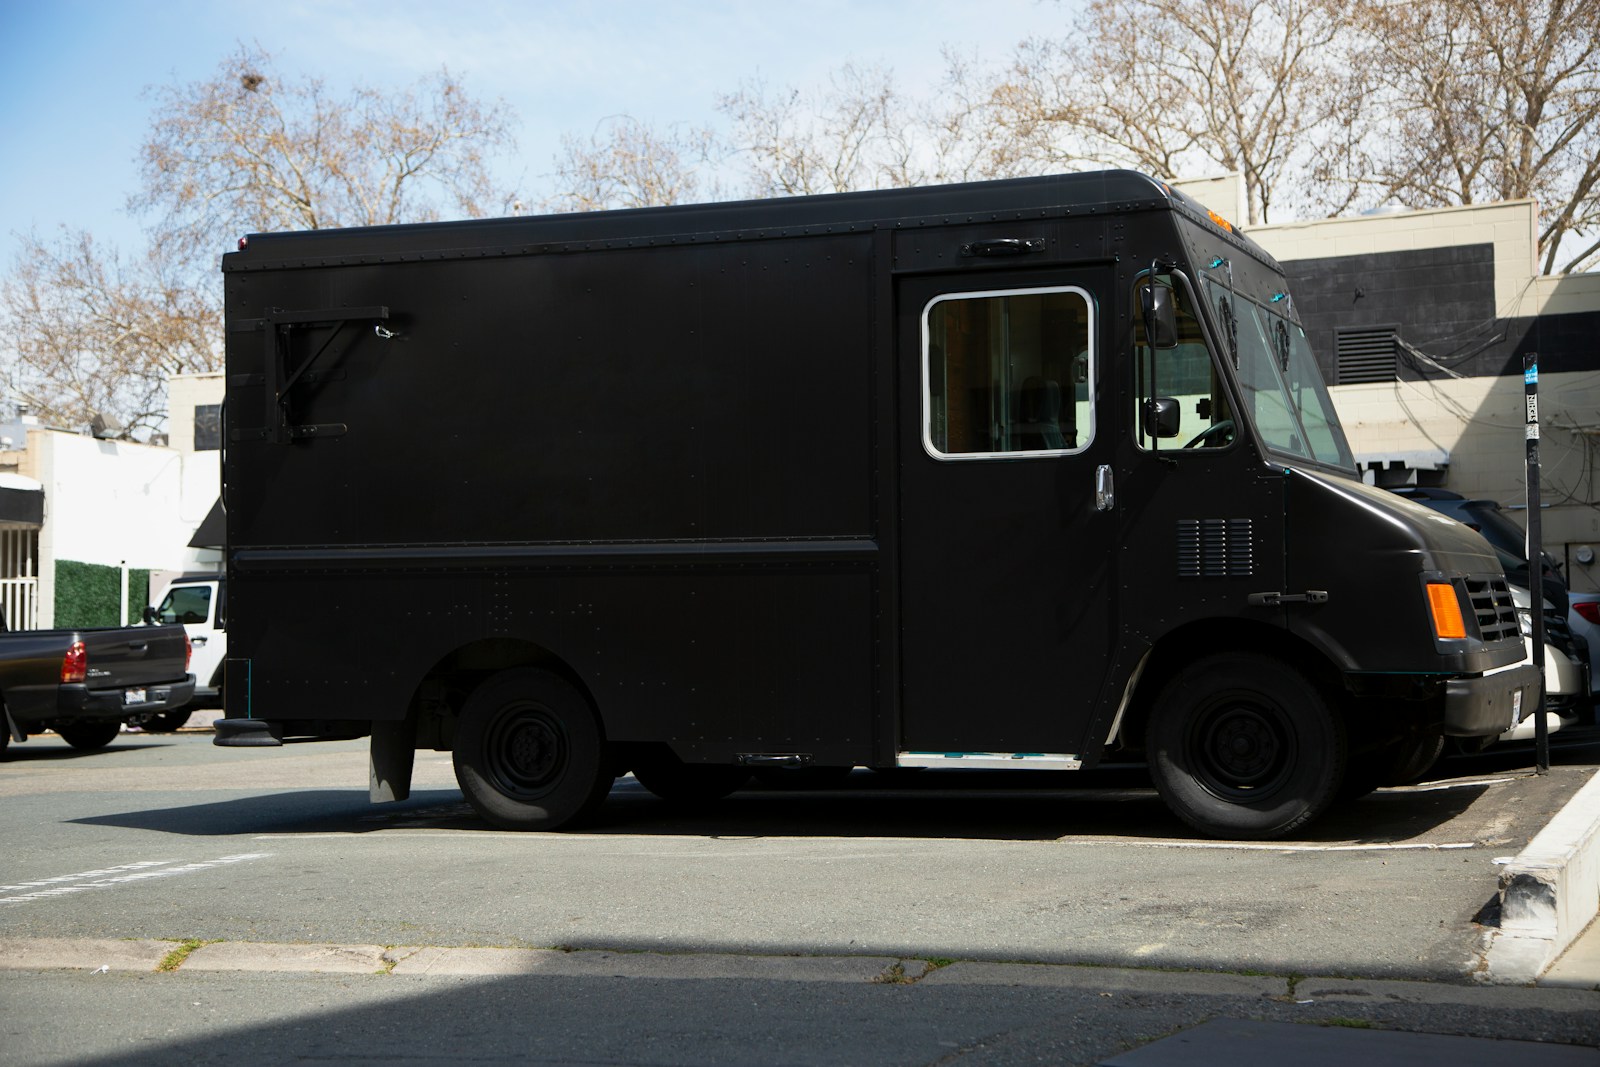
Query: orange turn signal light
[[1446, 608]]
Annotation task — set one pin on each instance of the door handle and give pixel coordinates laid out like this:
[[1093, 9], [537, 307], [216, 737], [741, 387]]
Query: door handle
[[1105, 493], [197, 642]]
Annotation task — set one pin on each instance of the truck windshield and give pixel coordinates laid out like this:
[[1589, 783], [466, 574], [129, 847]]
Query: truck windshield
[[1283, 388]]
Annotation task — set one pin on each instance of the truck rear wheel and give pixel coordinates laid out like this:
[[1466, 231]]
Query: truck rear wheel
[[528, 752], [1243, 746], [88, 736]]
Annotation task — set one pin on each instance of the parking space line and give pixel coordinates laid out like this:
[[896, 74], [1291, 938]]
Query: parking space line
[[105, 878]]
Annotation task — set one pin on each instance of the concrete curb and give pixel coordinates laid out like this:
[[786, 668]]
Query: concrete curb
[[1549, 892], [597, 963], [100, 956], [82, 954], [258, 956]]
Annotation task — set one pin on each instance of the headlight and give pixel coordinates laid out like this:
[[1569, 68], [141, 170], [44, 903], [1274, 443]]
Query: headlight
[[1525, 621]]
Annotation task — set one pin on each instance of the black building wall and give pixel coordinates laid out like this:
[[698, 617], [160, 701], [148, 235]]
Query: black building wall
[[1438, 302]]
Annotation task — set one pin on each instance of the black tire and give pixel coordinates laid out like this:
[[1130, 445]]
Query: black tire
[[1410, 760], [669, 778], [88, 736], [1243, 746], [161, 722], [529, 754], [1399, 762]]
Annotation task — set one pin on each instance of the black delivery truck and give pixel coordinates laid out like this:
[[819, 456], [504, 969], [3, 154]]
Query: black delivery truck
[[999, 475]]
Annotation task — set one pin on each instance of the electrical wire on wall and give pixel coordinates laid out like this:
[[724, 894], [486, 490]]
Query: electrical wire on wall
[[1432, 370]]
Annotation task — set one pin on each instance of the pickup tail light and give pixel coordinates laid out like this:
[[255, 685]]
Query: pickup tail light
[[188, 651], [75, 664]]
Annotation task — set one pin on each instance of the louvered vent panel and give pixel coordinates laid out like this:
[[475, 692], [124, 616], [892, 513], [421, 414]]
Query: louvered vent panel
[[1493, 608], [1216, 548], [1366, 355]]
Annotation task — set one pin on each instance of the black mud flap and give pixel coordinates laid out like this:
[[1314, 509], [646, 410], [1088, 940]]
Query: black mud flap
[[245, 733]]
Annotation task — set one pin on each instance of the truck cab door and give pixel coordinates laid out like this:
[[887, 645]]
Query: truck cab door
[[1201, 513], [1007, 557]]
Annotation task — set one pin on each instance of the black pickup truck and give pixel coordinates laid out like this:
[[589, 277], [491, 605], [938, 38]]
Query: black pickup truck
[[84, 684]]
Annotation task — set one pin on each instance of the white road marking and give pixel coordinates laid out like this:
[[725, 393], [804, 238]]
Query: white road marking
[[633, 839], [105, 878], [1256, 846]]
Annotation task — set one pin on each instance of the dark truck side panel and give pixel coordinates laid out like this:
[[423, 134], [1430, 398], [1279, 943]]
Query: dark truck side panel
[[125, 671], [832, 481]]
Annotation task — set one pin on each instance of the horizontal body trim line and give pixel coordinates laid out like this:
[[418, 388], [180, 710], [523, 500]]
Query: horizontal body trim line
[[860, 550], [992, 761]]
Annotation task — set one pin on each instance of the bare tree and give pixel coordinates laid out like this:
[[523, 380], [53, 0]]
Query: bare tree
[[95, 334], [860, 131], [1178, 86], [813, 141], [245, 151], [249, 150], [1492, 102], [954, 133], [627, 163]]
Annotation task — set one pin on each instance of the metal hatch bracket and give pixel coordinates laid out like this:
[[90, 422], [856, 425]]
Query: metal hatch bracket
[[279, 324]]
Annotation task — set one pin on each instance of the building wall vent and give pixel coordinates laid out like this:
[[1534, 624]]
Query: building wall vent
[[1366, 355]]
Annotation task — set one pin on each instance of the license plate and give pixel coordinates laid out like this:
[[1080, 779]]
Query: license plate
[[133, 696]]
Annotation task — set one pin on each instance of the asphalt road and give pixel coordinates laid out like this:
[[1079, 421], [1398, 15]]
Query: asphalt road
[[282, 845], [168, 837]]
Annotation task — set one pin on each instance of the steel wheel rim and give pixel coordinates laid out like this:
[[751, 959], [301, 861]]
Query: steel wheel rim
[[527, 751], [1242, 748]]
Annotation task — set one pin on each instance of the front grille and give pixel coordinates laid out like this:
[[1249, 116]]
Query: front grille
[[1493, 608]]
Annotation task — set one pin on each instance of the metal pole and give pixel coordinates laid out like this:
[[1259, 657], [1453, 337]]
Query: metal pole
[[1530, 380]]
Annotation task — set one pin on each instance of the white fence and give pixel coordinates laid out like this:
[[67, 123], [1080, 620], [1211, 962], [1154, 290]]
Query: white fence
[[19, 603], [19, 584]]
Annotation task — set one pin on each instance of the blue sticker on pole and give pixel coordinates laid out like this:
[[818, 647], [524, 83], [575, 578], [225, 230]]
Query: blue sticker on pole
[[1530, 376]]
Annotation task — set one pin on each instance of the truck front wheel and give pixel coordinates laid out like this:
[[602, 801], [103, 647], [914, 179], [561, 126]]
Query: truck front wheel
[[1243, 746], [528, 751]]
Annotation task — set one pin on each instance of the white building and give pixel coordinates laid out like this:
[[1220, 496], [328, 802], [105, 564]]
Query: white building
[[129, 507]]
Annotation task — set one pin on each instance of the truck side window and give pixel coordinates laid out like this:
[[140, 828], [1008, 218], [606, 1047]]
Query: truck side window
[[1185, 373], [1008, 372]]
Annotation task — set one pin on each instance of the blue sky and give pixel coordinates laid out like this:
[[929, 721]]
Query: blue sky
[[74, 74]]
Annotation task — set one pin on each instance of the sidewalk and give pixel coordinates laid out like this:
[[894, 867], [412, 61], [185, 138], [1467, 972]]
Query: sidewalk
[[700, 1007]]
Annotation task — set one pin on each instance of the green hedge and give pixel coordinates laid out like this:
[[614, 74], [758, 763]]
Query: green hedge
[[86, 594]]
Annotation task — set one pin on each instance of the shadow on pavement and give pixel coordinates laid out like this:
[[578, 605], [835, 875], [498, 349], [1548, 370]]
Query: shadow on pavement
[[930, 804], [30, 751]]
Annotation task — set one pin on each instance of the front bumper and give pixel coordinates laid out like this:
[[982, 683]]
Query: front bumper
[[1489, 704]]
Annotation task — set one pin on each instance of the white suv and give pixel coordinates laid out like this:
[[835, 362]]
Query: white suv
[[200, 602]]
